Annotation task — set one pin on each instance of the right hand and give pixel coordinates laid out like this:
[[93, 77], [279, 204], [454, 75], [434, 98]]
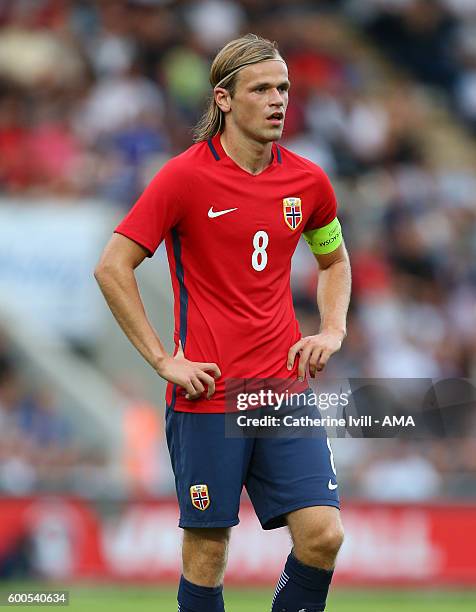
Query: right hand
[[190, 375]]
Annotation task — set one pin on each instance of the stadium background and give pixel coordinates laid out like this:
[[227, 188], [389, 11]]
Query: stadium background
[[94, 97]]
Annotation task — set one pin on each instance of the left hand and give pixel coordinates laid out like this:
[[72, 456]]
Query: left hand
[[314, 351]]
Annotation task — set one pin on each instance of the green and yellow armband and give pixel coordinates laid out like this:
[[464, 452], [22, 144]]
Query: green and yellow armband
[[325, 239]]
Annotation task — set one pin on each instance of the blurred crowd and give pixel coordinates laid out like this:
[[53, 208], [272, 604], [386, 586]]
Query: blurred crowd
[[39, 449], [435, 41], [96, 95]]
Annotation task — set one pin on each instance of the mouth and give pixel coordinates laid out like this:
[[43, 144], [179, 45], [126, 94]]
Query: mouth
[[276, 118]]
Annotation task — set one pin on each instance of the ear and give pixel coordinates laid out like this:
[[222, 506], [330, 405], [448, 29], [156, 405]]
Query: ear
[[222, 99]]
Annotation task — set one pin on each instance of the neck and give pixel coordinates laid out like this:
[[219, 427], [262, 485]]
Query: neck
[[250, 155]]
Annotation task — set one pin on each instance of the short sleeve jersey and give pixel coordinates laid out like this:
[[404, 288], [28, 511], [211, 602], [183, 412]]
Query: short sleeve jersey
[[230, 236]]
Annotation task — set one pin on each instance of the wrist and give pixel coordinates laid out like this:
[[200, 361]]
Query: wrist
[[159, 363], [341, 332]]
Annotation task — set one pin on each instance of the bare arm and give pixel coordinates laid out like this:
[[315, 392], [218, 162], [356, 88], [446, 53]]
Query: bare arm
[[115, 276], [333, 296], [333, 291]]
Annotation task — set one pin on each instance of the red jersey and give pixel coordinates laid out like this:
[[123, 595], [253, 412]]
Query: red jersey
[[230, 236]]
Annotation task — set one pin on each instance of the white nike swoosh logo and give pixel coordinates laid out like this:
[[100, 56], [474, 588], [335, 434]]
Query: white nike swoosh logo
[[331, 486], [212, 214]]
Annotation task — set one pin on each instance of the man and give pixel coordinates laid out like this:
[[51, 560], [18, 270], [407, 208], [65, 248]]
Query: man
[[231, 210]]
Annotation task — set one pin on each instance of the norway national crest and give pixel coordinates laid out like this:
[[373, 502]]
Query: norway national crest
[[292, 212], [199, 496]]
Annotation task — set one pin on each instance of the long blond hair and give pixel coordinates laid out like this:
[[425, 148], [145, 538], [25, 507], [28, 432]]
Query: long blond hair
[[238, 53]]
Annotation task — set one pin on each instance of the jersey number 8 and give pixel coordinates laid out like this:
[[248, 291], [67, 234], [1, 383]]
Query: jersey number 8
[[259, 259]]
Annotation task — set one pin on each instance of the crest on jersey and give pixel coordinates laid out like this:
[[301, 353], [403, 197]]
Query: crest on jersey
[[292, 211], [199, 496]]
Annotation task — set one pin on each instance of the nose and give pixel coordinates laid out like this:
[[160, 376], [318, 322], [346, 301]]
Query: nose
[[276, 97]]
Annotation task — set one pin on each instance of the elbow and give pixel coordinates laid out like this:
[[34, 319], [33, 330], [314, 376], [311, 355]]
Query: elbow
[[110, 270], [99, 273], [102, 271]]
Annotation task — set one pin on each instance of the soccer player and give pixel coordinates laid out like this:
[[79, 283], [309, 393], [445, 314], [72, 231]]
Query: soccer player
[[231, 209]]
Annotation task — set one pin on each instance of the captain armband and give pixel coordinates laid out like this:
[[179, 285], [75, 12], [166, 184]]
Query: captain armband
[[325, 239]]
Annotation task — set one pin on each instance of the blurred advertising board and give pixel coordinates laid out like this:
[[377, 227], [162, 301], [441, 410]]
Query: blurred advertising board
[[47, 256], [70, 539]]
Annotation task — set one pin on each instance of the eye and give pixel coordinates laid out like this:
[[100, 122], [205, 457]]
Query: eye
[[260, 89]]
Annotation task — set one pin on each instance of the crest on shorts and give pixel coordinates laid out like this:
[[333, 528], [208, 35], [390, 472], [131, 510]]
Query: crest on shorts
[[199, 496], [292, 211]]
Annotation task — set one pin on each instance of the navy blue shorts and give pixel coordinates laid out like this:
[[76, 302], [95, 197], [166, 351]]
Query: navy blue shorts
[[280, 474]]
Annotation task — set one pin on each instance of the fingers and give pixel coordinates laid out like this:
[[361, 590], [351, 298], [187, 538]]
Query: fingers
[[197, 376], [210, 367], [315, 352], [201, 379], [197, 387], [318, 359], [323, 359], [293, 351], [208, 381], [189, 388], [303, 361], [315, 362]]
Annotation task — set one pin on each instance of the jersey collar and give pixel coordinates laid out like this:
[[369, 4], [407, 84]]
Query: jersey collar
[[218, 153]]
